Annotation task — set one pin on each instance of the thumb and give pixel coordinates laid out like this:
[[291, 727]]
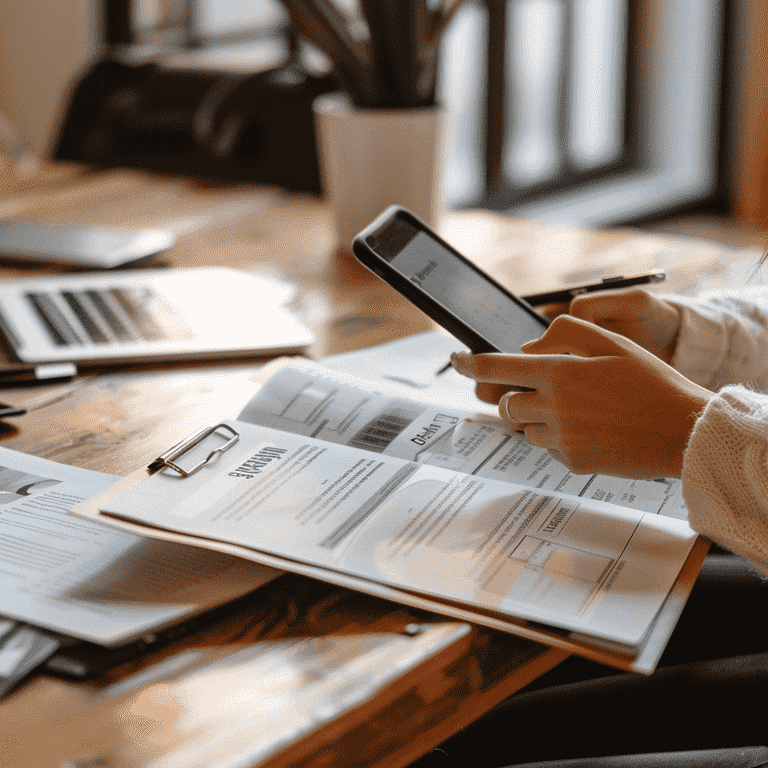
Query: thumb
[[572, 336]]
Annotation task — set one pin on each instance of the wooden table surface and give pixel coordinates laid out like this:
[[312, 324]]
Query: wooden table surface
[[307, 674]]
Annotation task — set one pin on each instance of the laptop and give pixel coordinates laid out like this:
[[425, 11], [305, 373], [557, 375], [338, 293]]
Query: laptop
[[120, 317]]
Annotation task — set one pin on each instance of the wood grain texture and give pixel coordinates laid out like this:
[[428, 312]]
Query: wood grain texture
[[307, 674]]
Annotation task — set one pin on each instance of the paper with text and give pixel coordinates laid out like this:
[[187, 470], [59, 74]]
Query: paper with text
[[91, 581], [536, 554], [308, 399]]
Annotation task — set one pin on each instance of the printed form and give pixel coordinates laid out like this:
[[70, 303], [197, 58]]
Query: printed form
[[308, 399], [534, 553], [88, 580]]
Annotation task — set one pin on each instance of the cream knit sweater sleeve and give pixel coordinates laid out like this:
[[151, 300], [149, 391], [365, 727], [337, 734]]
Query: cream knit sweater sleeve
[[723, 343], [725, 473], [723, 338]]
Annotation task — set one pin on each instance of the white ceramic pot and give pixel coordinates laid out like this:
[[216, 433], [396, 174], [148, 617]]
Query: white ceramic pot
[[372, 158]]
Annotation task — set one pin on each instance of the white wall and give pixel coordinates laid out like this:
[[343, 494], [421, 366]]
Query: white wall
[[44, 46]]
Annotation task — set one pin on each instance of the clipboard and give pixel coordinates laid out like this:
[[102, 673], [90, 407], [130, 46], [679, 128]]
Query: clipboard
[[167, 459], [643, 661]]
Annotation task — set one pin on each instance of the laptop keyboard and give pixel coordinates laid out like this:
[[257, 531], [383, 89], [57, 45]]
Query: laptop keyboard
[[113, 315]]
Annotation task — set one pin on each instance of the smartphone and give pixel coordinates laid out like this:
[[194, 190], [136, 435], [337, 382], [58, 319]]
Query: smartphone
[[404, 252], [78, 245]]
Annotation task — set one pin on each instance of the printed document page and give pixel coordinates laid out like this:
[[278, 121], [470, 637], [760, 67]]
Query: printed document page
[[413, 361], [570, 562], [308, 399], [88, 580]]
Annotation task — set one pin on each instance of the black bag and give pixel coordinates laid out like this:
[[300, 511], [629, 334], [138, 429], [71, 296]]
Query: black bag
[[221, 126]]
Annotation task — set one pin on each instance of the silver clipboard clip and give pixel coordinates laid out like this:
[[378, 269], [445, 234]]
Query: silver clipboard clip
[[167, 460]]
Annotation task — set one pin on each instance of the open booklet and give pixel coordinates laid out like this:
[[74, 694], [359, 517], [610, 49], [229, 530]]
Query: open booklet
[[439, 507]]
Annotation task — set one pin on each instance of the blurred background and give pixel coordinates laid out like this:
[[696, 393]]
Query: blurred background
[[596, 112]]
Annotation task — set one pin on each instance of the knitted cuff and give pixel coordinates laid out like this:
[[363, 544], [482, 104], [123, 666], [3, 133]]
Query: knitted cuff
[[702, 342], [725, 473]]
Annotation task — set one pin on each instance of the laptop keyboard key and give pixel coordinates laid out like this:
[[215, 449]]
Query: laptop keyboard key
[[59, 328]]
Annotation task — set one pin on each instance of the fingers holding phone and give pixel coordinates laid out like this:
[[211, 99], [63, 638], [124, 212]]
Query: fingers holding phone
[[600, 402], [635, 313], [555, 309], [619, 304]]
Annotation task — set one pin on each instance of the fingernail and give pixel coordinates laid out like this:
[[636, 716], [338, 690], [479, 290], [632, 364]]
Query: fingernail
[[460, 432], [461, 362]]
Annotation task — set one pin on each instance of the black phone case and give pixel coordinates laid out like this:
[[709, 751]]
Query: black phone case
[[367, 256]]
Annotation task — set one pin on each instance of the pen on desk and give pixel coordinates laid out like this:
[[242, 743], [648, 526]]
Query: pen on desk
[[42, 373], [11, 410]]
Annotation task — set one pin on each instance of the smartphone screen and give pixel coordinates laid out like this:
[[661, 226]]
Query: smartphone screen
[[457, 286]]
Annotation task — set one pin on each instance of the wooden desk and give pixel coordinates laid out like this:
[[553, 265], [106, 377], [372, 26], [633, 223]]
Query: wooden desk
[[308, 675]]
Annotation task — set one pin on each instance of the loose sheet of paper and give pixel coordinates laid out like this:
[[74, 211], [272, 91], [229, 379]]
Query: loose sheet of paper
[[536, 554], [309, 399], [413, 361], [88, 580]]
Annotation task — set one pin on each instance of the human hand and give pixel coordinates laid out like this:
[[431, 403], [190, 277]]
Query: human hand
[[492, 393], [601, 403], [635, 313], [554, 310]]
